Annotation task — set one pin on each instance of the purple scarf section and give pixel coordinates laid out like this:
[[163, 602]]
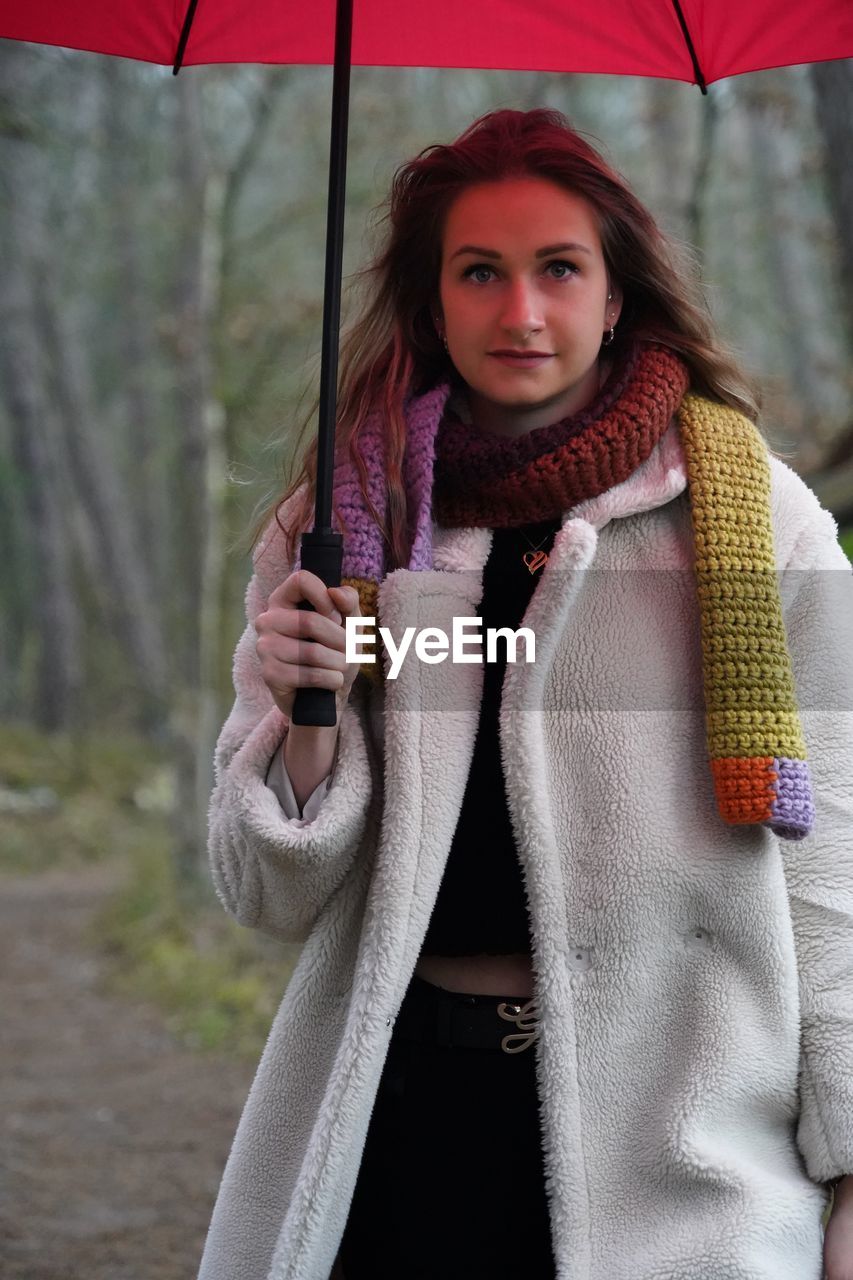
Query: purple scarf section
[[364, 550]]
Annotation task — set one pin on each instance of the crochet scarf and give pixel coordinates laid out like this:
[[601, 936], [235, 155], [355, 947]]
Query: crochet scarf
[[459, 476]]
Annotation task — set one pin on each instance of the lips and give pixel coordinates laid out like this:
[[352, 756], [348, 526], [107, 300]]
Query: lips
[[521, 360]]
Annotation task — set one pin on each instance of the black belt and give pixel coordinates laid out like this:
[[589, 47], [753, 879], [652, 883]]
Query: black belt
[[459, 1020]]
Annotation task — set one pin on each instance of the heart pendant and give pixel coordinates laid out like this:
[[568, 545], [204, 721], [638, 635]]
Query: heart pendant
[[535, 559]]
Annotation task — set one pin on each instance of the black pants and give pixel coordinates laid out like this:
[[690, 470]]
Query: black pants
[[451, 1183]]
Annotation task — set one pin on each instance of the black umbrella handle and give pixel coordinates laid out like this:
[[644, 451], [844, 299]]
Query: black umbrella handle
[[322, 552]]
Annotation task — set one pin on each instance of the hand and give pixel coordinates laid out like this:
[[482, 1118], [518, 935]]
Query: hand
[[838, 1239], [287, 662]]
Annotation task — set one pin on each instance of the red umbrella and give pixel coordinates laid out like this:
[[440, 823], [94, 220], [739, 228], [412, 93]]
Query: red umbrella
[[698, 41]]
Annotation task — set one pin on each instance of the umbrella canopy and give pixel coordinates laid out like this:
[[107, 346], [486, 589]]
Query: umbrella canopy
[[623, 37]]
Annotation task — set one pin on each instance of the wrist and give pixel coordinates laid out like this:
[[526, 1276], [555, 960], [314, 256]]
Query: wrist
[[311, 741]]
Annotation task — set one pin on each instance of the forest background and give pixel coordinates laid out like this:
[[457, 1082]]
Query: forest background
[[161, 273]]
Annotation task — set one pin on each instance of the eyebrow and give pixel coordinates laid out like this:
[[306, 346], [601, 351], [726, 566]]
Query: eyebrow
[[569, 247]]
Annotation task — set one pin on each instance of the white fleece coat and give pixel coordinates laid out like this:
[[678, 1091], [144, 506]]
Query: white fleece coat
[[695, 980]]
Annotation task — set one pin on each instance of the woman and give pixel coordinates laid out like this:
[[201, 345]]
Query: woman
[[574, 994]]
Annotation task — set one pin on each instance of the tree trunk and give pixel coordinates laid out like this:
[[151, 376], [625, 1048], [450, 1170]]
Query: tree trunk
[[775, 154], [697, 204], [55, 618], [123, 561], [134, 314], [199, 490], [832, 83]]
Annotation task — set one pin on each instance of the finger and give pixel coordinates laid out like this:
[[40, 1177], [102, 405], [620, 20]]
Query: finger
[[302, 585], [303, 624], [288, 676], [347, 600], [275, 649]]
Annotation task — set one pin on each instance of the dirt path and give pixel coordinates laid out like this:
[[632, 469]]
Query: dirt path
[[113, 1136]]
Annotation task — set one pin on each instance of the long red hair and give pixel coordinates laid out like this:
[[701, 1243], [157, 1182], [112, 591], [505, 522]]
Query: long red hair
[[392, 350]]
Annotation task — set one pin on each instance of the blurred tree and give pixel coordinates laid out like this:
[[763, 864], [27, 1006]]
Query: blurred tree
[[775, 167], [54, 622], [130, 605], [123, 112], [833, 89]]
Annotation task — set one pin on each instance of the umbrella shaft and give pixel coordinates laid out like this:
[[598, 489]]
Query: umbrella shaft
[[334, 265]]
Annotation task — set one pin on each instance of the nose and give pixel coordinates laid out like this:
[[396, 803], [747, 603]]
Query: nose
[[522, 311]]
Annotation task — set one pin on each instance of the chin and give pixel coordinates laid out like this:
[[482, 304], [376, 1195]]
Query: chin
[[521, 397]]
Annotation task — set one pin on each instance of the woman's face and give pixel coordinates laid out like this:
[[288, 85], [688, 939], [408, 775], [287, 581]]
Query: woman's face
[[523, 271]]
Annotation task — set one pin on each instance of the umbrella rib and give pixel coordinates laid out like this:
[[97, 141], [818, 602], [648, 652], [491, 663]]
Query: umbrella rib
[[185, 35], [685, 31]]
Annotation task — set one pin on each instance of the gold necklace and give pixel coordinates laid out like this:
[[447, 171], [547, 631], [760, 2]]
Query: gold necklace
[[535, 559]]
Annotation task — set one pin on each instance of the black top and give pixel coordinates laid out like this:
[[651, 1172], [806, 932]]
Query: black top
[[481, 903]]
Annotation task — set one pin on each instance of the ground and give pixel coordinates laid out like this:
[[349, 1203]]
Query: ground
[[113, 1136]]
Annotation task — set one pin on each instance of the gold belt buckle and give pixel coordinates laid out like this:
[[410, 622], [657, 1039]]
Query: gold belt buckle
[[525, 1018]]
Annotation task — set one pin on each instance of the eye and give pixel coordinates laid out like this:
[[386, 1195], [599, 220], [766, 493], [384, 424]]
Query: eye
[[469, 272], [568, 268]]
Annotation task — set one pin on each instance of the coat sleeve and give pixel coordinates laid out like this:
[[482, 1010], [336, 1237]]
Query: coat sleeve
[[278, 780], [819, 868], [272, 872]]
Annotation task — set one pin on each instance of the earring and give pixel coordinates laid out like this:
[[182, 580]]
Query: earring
[[608, 338]]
